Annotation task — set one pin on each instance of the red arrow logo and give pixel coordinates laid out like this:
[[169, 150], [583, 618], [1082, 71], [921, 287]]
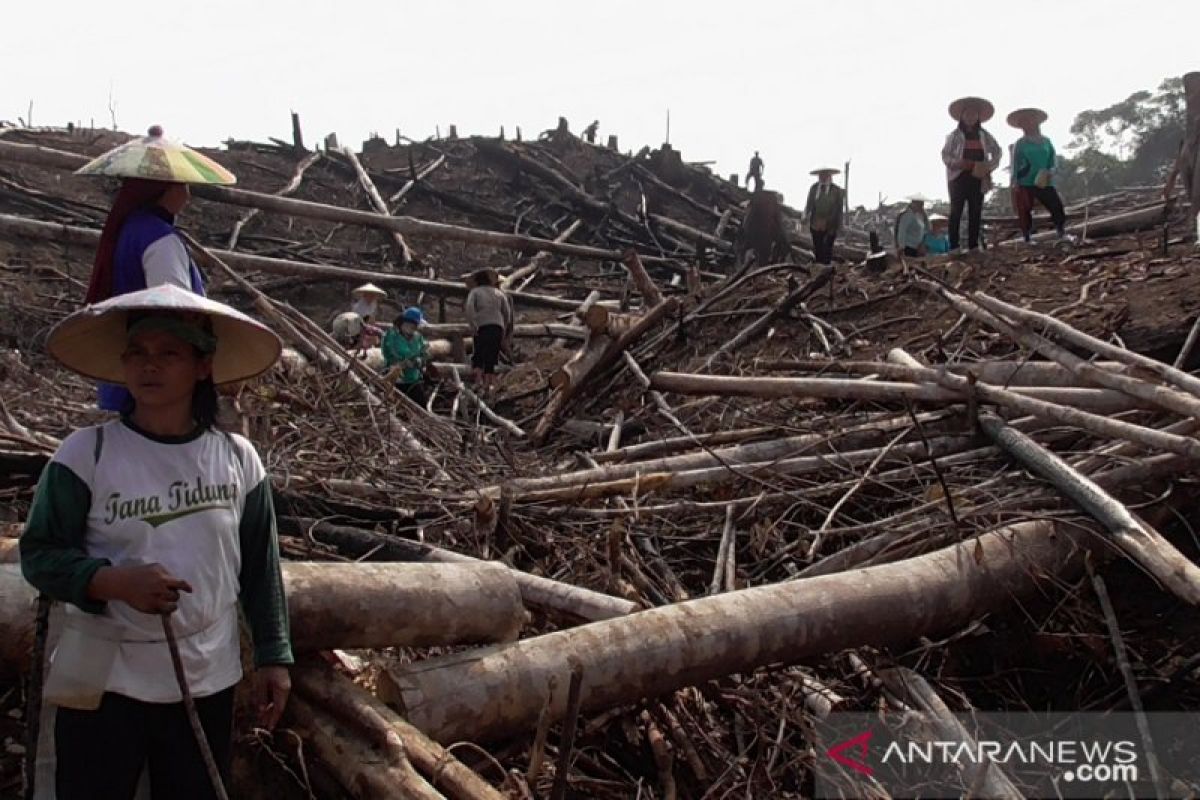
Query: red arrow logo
[[859, 744]]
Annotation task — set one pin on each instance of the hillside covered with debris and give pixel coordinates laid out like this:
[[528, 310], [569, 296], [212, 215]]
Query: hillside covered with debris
[[722, 496]]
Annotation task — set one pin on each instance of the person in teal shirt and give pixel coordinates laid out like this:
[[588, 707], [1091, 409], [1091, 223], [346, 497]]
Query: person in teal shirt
[[937, 240], [405, 350], [1033, 164]]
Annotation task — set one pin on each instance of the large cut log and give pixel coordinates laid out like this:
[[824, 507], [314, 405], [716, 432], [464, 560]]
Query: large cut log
[[359, 605], [645, 284], [357, 707], [1139, 540], [58, 159], [370, 770], [1114, 224], [345, 606], [561, 600], [599, 352], [14, 226], [1098, 400], [373, 195], [485, 695], [532, 330]]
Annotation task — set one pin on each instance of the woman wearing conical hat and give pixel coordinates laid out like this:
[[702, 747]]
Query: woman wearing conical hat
[[1033, 165], [823, 210], [139, 246], [156, 514], [971, 155]]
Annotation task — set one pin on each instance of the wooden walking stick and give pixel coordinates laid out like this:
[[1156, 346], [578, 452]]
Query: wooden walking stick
[[33, 695], [189, 705]]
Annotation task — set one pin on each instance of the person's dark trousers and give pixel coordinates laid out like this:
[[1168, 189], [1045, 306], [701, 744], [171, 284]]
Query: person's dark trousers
[[101, 753], [1048, 196], [415, 392], [913, 252], [823, 245], [966, 191]]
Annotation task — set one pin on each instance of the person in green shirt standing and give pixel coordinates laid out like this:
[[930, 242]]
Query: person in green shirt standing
[[823, 210], [406, 351], [1033, 164]]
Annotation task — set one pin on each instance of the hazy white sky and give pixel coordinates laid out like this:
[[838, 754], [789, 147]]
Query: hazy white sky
[[804, 83]]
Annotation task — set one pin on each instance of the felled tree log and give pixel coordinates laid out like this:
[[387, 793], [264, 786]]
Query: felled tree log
[[378, 770], [650, 293], [482, 696], [525, 330], [355, 606], [345, 606], [1114, 224], [58, 159], [1098, 400], [368, 186], [1139, 540], [87, 237], [1010, 373], [599, 352], [780, 311], [345, 700], [543, 594]]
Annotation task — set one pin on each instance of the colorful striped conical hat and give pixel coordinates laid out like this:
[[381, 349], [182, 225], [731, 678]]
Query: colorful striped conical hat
[[155, 158]]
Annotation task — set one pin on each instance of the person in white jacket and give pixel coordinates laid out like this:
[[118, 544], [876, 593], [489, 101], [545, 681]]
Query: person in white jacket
[[971, 155]]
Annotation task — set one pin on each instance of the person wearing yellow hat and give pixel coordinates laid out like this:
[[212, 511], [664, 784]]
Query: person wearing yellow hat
[[139, 245], [153, 517], [1033, 165], [823, 211], [971, 155]]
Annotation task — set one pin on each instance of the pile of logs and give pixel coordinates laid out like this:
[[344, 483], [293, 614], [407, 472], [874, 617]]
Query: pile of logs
[[710, 504]]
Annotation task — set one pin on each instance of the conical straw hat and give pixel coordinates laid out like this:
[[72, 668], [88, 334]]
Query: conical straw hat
[[91, 341], [986, 109], [1018, 117], [369, 288], [155, 158], [830, 170]]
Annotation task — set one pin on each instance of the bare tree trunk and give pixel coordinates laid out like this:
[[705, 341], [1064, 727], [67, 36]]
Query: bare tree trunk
[[781, 310], [538, 260], [368, 186], [355, 606], [350, 703], [483, 696], [377, 770], [650, 293], [1098, 400]]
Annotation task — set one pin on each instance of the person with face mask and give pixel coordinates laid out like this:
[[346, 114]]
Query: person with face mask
[[405, 354], [139, 245], [971, 155]]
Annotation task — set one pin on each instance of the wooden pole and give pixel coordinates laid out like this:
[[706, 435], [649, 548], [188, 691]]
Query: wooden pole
[[373, 195]]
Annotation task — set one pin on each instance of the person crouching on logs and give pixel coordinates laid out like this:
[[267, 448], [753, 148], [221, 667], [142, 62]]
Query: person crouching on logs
[[405, 354], [151, 521], [971, 155], [823, 210], [490, 317], [1033, 165]]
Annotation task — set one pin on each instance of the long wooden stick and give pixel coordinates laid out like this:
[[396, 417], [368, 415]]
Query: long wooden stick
[[291, 186], [189, 705], [781, 309]]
